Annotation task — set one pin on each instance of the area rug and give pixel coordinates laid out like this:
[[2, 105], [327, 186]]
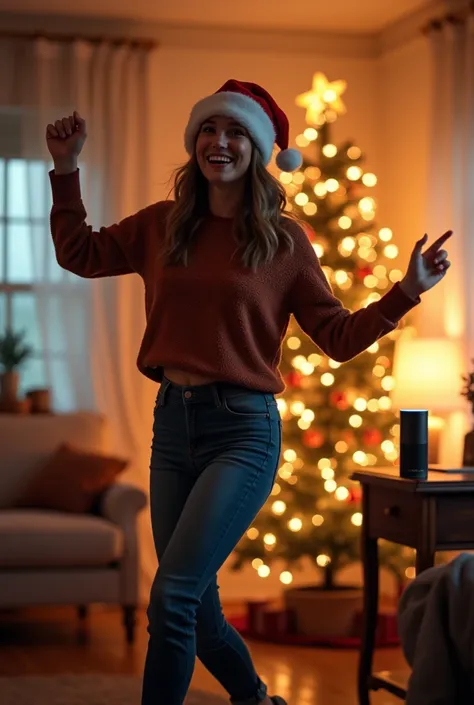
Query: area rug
[[84, 689]]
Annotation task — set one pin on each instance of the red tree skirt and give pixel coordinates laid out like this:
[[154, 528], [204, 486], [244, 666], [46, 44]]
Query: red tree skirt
[[276, 627]]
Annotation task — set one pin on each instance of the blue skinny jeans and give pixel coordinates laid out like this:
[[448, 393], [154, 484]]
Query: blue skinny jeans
[[215, 455]]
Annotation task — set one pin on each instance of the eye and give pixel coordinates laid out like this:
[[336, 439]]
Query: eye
[[208, 128], [237, 132]]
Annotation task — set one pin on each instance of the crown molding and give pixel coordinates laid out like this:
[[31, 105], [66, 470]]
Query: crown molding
[[409, 27], [197, 37], [335, 44], [331, 44]]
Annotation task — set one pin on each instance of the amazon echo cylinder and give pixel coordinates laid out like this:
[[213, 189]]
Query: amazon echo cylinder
[[414, 444]]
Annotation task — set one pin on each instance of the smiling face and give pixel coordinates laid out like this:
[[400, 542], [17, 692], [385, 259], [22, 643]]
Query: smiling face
[[223, 150]]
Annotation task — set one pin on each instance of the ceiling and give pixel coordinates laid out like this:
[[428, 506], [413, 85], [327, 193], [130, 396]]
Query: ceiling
[[355, 16]]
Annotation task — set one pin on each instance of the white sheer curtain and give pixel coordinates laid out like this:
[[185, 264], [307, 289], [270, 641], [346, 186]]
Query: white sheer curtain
[[96, 324], [449, 310]]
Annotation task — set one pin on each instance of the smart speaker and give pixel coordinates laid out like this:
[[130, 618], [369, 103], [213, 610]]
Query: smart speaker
[[414, 444]]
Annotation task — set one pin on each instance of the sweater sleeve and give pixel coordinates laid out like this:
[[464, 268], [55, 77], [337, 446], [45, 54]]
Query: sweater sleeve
[[110, 251], [338, 332]]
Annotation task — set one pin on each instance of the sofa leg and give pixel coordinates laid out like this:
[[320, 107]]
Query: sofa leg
[[129, 622], [82, 612]]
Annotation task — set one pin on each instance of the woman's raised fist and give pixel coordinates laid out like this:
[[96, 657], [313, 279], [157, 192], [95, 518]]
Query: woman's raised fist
[[65, 139]]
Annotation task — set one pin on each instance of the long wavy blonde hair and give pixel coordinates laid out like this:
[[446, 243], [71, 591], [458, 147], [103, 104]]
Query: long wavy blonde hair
[[261, 227]]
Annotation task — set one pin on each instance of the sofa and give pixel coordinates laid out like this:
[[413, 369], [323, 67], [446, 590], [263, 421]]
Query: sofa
[[55, 557]]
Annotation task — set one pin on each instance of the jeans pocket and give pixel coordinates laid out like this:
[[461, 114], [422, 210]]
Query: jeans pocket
[[247, 405]]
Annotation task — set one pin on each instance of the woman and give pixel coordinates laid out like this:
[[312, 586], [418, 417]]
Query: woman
[[223, 269]]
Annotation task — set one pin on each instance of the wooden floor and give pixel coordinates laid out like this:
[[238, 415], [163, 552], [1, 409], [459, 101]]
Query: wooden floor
[[50, 641]]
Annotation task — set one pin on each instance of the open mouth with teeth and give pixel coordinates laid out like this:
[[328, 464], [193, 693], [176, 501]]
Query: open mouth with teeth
[[219, 159]]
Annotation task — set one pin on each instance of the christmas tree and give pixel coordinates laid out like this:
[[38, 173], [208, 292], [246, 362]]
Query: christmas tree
[[337, 418]]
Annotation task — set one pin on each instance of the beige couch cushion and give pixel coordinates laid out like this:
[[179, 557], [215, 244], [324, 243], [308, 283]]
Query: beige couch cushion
[[28, 441], [41, 539]]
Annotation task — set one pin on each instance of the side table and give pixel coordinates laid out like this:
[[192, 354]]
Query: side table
[[429, 516]]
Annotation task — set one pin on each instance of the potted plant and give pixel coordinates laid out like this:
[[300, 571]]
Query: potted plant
[[13, 353], [329, 608], [468, 393]]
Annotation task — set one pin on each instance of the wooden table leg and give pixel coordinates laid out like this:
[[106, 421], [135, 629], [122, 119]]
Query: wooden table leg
[[424, 560], [425, 550], [370, 559]]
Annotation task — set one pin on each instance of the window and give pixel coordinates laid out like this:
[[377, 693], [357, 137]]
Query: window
[[28, 266]]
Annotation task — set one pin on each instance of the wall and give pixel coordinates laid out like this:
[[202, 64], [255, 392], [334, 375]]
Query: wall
[[404, 88]]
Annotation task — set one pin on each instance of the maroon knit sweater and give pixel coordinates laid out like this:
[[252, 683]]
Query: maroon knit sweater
[[215, 317]]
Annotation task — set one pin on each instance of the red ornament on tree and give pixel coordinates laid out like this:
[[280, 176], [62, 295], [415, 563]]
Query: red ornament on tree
[[339, 400], [372, 437], [363, 272], [313, 439], [293, 379]]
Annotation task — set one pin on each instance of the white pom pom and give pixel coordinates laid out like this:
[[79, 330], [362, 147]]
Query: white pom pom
[[289, 160]]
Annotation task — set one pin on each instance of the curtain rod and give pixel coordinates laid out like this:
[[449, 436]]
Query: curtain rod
[[133, 42], [452, 18]]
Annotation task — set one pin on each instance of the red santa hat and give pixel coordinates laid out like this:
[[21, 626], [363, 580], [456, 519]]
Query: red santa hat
[[254, 108]]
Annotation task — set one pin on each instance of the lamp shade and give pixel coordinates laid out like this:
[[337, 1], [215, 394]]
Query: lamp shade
[[427, 374]]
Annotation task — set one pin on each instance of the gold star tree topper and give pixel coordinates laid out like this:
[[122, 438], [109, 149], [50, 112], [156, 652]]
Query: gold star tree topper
[[324, 95]]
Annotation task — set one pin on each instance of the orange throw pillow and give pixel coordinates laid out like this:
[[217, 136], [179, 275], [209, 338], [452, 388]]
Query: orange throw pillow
[[71, 481]]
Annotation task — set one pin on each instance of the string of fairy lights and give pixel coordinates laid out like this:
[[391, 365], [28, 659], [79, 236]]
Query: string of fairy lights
[[323, 104]]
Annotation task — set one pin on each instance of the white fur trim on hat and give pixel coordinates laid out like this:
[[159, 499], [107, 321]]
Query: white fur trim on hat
[[240, 107], [289, 159]]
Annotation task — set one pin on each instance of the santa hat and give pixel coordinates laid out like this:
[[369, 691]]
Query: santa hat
[[255, 110]]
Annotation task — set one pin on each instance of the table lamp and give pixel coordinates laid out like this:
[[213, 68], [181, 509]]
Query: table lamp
[[427, 374]]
